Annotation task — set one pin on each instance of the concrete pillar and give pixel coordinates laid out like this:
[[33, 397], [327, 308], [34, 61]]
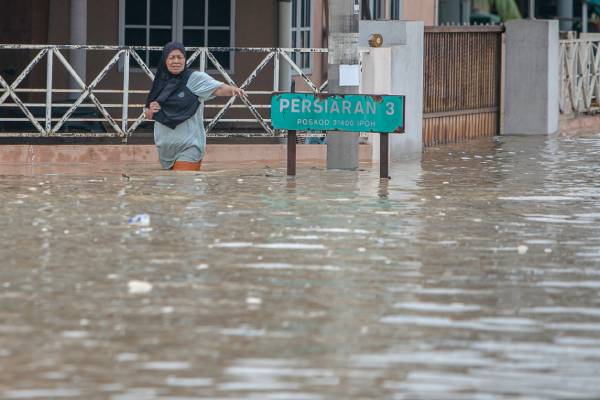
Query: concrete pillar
[[565, 10], [78, 36], [531, 12], [584, 16], [285, 41], [397, 69], [532, 77], [344, 16]]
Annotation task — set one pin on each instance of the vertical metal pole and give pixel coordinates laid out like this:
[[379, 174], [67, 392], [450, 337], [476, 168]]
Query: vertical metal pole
[[291, 153], [276, 72], [125, 112], [565, 12], [203, 61], [291, 148], [78, 35], [531, 9], [584, 16], [285, 41], [344, 15], [384, 156], [49, 56]]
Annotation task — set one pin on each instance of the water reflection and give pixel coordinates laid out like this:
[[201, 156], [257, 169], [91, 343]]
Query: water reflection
[[472, 274]]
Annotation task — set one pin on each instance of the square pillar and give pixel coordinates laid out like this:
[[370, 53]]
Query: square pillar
[[397, 69], [532, 77]]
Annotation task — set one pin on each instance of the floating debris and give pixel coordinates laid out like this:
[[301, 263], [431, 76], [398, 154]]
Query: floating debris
[[139, 220], [522, 249], [253, 300], [139, 287]]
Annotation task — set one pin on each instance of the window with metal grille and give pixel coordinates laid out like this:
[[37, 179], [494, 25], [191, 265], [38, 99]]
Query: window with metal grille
[[378, 9], [301, 26], [195, 23]]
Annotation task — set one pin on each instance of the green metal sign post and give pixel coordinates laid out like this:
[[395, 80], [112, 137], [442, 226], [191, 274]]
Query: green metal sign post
[[335, 112]]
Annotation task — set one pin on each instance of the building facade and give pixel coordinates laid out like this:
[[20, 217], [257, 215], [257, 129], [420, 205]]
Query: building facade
[[212, 23]]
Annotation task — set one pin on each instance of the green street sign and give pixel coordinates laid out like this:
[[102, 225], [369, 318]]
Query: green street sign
[[337, 112]]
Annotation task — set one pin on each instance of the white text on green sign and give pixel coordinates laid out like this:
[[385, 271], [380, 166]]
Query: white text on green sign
[[333, 112]]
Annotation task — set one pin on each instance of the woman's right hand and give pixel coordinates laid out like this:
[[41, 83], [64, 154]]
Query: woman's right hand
[[152, 109]]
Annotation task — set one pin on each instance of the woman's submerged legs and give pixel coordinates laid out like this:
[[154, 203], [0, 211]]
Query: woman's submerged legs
[[187, 166]]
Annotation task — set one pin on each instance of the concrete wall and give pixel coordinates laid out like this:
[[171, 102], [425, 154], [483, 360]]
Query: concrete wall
[[532, 77], [422, 10], [397, 69]]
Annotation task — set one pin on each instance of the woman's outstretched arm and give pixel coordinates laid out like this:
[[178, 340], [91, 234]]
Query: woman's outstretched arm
[[226, 90]]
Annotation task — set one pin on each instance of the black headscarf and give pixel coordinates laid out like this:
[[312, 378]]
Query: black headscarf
[[177, 103]]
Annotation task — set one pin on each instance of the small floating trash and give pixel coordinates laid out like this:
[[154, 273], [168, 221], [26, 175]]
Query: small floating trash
[[139, 287], [139, 220], [522, 249], [253, 300]]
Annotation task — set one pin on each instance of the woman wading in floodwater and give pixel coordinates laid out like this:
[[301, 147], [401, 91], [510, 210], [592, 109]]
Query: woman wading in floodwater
[[174, 103]]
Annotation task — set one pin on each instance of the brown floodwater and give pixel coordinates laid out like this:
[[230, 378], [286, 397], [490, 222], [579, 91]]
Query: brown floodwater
[[473, 274]]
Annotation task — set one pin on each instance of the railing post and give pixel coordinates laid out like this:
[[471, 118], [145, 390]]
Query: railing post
[[203, 61], [291, 146], [49, 59], [125, 112], [276, 71]]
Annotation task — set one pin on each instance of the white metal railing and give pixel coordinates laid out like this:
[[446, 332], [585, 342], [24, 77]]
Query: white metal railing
[[121, 124], [579, 76]]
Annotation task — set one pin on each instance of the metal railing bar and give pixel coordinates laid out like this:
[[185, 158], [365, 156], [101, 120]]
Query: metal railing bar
[[88, 92], [125, 109], [18, 101], [119, 105], [149, 73], [579, 71], [243, 98], [21, 119], [236, 106], [299, 71], [159, 48], [86, 95], [23, 74], [119, 91], [249, 80], [49, 67]]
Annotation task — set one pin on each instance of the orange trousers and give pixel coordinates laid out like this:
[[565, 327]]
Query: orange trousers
[[187, 166]]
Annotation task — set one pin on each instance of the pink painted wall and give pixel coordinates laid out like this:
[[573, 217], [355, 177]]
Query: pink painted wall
[[420, 10]]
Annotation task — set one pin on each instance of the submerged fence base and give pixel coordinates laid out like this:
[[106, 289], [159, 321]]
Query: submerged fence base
[[133, 154]]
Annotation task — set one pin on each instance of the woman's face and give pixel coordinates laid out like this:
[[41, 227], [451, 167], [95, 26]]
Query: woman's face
[[175, 62]]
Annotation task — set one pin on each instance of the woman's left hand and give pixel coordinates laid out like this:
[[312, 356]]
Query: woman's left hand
[[227, 90], [238, 92]]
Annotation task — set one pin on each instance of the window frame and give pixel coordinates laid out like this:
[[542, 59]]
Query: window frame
[[299, 29], [177, 28], [396, 9]]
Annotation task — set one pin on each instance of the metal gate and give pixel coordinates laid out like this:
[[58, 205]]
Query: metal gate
[[462, 87]]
